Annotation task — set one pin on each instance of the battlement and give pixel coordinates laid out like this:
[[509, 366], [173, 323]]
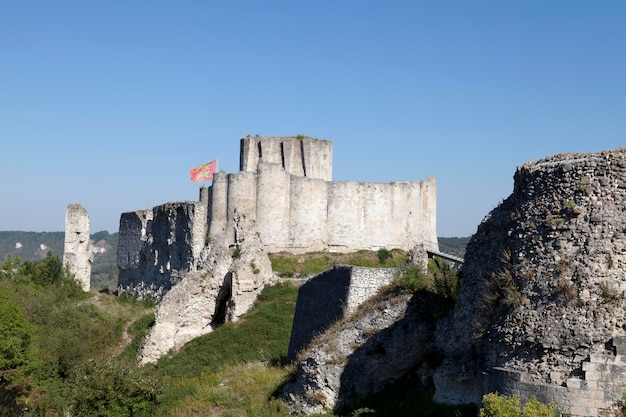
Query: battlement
[[298, 156]]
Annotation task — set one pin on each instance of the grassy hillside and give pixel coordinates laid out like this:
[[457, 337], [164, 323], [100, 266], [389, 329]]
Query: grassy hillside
[[66, 352]]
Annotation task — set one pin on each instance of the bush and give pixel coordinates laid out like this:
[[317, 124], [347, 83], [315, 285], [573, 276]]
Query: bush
[[412, 279], [383, 255], [446, 284], [496, 405], [112, 388]]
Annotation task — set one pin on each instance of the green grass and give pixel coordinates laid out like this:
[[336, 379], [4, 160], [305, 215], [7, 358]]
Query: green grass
[[261, 335], [235, 369], [289, 265]]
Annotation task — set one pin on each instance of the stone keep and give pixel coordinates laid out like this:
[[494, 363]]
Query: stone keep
[[284, 187], [286, 184], [77, 254]]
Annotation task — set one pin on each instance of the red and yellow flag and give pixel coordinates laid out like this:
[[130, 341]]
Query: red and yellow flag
[[203, 172]]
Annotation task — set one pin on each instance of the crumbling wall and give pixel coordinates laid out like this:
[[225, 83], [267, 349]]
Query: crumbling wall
[[157, 246], [331, 296], [77, 255], [386, 341]]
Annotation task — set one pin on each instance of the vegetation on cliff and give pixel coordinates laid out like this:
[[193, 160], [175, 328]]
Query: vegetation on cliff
[[67, 352]]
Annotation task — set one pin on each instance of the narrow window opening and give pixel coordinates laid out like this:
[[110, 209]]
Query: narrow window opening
[[302, 157], [282, 154]]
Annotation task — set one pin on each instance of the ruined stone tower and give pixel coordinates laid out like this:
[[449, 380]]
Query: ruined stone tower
[[77, 255]]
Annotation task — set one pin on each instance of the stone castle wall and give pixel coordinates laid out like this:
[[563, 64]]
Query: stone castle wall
[[331, 296], [157, 246], [302, 157]]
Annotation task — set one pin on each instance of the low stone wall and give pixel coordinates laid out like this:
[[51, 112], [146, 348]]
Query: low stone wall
[[330, 296], [603, 384]]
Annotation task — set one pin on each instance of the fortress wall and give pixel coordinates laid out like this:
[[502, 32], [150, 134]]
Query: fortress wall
[[219, 204], [379, 227], [241, 194], [273, 206], [345, 215], [376, 215], [198, 227], [414, 212], [248, 154], [173, 237], [130, 249], [308, 220], [319, 304], [426, 217]]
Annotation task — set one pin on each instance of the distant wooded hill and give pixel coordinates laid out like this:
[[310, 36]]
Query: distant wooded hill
[[453, 245], [34, 246]]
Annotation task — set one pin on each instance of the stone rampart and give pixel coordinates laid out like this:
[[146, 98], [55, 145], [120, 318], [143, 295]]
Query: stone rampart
[[300, 214], [331, 296], [601, 384]]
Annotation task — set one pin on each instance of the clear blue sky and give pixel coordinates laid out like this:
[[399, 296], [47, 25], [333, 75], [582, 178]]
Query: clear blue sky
[[110, 103]]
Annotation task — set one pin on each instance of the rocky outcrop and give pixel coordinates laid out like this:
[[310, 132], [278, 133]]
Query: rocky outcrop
[[385, 339], [541, 306], [221, 287], [77, 255]]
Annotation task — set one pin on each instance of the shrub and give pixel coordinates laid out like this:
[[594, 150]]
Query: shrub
[[383, 255], [112, 388], [412, 279], [446, 284], [496, 405]]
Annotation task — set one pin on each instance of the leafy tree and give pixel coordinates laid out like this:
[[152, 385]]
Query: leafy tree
[[16, 352]]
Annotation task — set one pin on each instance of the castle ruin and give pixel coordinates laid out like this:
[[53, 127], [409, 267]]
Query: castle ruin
[[285, 186]]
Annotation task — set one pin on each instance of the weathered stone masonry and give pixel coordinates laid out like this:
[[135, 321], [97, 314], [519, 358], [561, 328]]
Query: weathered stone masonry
[[77, 255], [541, 307]]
